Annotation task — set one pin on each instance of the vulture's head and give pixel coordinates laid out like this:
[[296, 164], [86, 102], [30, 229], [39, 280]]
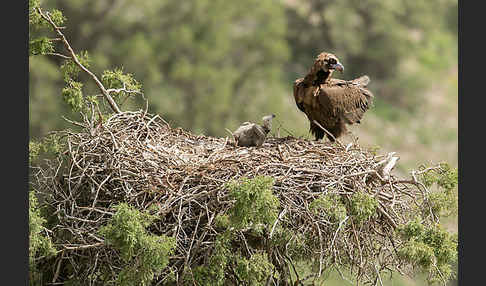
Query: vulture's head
[[267, 122], [327, 63]]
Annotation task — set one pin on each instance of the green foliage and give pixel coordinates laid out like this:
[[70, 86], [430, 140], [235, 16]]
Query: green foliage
[[448, 177], [329, 206], [255, 203], [73, 95], [145, 255], [35, 19], [444, 201], [362, 206], [34, 151], [414, 228], [296, 247], [34, 16], [254, 271], [70, 69], [40, 46], [40, 245], [418, 252], [294, 243], [116, 79], [214, 272], [50, 145], [249, 271], [57, 17], [432, 248], [53, 144], [222, 221], [125, 229]]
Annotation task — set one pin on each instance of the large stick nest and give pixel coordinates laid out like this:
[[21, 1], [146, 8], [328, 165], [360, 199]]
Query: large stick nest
[[139, 159]]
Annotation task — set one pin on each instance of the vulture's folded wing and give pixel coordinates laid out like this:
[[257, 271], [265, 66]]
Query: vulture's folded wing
[[258, 131], [348, 101], [299, 91], [259, 135]]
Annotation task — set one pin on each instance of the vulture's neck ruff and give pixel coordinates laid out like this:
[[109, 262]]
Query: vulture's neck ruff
[[321, 77]]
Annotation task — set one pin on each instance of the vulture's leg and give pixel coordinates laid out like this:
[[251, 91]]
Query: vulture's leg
[[317, 131], [331, 139]]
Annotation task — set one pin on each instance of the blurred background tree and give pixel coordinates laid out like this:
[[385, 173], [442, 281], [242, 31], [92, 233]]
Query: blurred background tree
[[204, 64], [207, 65]]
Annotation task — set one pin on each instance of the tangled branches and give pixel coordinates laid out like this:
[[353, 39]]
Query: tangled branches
[[338, 206]]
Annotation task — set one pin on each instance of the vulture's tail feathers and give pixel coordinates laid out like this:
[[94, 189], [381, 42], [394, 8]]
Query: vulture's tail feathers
[[369, 95]]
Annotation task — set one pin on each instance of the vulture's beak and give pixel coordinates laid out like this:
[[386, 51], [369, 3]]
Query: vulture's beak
[[338, 67], [268, 117]]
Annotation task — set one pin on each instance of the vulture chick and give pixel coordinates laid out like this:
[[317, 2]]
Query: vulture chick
[[251, 134], [332, 103]]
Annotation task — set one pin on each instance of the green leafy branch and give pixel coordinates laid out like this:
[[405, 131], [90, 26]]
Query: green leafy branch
[[431, 248], [145, 255], [113, 84], [40, 244], [72, 55]]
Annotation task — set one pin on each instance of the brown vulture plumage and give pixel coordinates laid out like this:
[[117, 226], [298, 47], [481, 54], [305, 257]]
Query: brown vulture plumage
[[332, 103]]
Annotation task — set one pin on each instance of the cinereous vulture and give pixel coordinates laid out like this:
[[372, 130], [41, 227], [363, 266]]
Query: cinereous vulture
[[251, 134], [332, 103]]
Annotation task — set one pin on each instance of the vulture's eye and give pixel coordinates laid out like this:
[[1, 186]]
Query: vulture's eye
[[332, 61]]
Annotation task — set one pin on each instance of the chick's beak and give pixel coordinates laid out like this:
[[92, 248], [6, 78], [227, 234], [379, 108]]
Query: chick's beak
[[339, 67]]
